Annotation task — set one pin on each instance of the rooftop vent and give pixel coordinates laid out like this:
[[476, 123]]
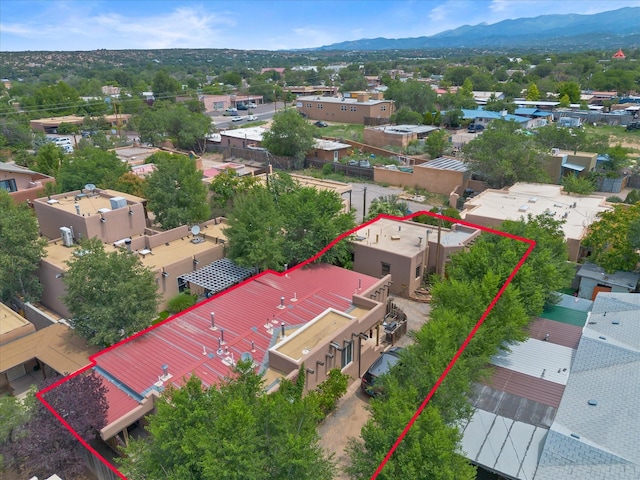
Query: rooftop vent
[[523, 208], [533, 199]]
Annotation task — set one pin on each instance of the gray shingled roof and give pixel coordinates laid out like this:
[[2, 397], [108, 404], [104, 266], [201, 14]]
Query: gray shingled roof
[[600, 441]]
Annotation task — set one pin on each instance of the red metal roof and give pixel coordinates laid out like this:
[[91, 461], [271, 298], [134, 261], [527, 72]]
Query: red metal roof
[[559, 333], [526, 386], [120, 402], [246, 314]]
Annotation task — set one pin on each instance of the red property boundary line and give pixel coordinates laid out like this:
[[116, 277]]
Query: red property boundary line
[[532, 243]]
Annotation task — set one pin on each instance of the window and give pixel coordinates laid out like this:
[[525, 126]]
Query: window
[[347, 353], [418, 271], [309, 105], [343, 108], [386, 269], [9, 185], [383, 108], [320, 105], [354, 108]]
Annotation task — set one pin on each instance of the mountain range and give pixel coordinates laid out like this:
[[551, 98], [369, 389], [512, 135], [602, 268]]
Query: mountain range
[[612, 29]]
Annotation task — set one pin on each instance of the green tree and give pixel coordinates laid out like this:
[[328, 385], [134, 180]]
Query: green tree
[[164, 86], [56, 100], [90, 165], [552, 136], [532, 92], [387, 205], [571, 89], [175, 192], [48, 159], [565, 101], [167, 121], [224, 188], [406, 116], [110, 295], [579, 185], [21, 250], [254, 230], [436, 143], [290, 135], [503, 155], [610, 241], [447, 212], [261, 436], [412, 94]]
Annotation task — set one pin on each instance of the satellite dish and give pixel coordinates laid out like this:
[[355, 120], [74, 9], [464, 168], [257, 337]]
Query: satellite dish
[[90, 186], [195, 230]]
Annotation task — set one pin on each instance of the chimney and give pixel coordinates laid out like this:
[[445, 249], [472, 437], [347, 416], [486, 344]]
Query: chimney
[[213, 322], [127, 242], [359, 284], [222, 336], [282, 328], [77, 208]]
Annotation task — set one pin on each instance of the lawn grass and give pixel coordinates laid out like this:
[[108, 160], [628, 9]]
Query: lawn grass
[[616, 134], [348, 131]]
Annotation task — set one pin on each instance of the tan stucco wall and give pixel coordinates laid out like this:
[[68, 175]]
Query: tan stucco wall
[[431, 179]]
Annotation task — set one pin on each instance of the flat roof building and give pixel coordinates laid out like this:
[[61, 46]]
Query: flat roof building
[[363, 108], [491, 207]]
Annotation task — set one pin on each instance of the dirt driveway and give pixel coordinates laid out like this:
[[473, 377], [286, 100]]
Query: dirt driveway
[[352, 411]]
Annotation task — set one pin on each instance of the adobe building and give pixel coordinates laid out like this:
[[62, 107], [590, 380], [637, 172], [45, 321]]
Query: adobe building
[[364, 108], [120, 221], [396, 135], [564, 162], [444, 175], [329, 150], [21, 183], [51, 124], [323, 316], [28, 356], [406, 250], [491, 207]]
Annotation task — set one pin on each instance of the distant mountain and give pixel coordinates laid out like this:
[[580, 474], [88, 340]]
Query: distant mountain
[[613, 29]]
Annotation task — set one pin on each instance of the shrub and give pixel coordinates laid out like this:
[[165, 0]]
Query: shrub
[[181, 302], [331, 390]]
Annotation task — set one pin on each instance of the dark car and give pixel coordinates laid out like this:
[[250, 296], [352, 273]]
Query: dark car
[[321, 124], [633, 126], [382, 365], [242, 107], [473, 128]]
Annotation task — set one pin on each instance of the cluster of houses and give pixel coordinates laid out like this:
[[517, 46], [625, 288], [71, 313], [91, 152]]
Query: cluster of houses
[[560, 404]]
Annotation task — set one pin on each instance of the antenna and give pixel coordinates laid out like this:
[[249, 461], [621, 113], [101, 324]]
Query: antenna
[[90, 187]]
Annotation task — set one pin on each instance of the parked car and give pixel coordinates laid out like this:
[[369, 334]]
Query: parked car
[[252, 105], [230, 111], [321, 124], [251, 118], [633, 126], [364, 163], [236, 118], [475, 127], [243, 107], [353, 163], [382, 365]]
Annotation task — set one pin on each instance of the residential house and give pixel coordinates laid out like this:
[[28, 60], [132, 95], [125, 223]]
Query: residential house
[[541, 117], [514, 407], [445, 175], [594, 280], [329, 150], [491, 207], [564, 162], [51, 125], [363, 108], [396, 135], [484, 117], [406, 250], [481, 98], [595, 432], [120, 221], [304, 90], [323, 316], [21, 183]]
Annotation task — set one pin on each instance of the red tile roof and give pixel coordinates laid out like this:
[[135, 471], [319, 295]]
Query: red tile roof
[[245, 314]]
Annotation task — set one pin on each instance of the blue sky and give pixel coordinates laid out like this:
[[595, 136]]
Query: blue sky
[[257, 24]]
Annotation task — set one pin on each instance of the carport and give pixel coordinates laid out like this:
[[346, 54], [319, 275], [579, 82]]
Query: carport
[[214, 277]]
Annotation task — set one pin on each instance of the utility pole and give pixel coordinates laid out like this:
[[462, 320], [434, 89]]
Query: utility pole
[[364, 204]]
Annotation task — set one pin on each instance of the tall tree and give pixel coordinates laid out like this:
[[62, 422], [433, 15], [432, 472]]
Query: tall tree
[[21, 250], [258, 436], [503, 155], [387, 205], [532, 92], [49, 159], [612, 239], [290, 135], [175, 191], [571, 89], [110, 296], [43, 446], [90, 165], [226, 186], [436, 143]]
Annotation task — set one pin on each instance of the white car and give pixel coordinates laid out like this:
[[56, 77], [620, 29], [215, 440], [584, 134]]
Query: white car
[[236, 118], [251, 105], [251, 118]]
